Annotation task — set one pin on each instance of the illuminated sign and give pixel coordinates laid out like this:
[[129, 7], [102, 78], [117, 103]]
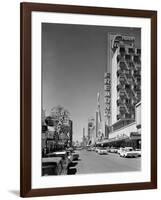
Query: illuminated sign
[[122, 39], [107, 94]]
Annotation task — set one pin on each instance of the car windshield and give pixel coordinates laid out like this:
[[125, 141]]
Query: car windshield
[[128, 149], [103, 148]]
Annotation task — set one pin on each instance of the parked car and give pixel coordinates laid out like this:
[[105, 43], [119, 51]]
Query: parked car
[[113, 150], [70, 149], [129, 152], [75, 155], [102, 151], [108, 149], [70, 156], [79, 148], [52, 166], [97, 149], [65, 159], [139, 152], [120, 150], [93, 148]]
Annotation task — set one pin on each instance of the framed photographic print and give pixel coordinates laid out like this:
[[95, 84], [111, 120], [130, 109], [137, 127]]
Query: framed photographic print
[[88, 99]]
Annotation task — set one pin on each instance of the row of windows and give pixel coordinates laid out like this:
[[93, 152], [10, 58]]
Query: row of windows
[[128, 58]]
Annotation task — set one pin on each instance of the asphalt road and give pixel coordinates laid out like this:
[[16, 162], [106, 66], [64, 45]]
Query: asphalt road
[[91, 162]]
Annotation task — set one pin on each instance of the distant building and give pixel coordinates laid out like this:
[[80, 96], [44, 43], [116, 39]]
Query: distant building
[[91, 131], [84, 139], [99, 128]]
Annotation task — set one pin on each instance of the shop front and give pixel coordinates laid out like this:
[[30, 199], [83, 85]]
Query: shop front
[[133, 140]]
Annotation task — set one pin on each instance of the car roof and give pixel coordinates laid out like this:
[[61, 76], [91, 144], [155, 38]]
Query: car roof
[[51, 160], [57, 153]]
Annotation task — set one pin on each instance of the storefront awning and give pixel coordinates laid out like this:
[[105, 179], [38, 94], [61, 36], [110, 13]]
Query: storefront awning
[[133, 136]]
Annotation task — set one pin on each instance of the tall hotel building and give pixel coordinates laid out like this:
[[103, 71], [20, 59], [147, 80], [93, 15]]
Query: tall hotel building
[[125, 89]]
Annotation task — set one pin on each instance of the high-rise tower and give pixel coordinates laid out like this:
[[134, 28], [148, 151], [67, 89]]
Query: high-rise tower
[[125, 80]]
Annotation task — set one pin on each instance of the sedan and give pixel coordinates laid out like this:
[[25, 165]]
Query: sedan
[[129, 152], [113, 150], [52, 166], [102, 151], [120, 150], [65, 159], [70, 156], [97, 149], [139, 152], [75, 155]]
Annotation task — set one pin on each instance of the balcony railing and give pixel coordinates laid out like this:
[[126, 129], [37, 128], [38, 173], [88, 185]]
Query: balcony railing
[[133, 94], [128, 57], [122, 65], [122, 109], [130, 65], [133, 101], [137, 73], [129, 80], [137, 88], [122, 50], [131, 108], [119, 72], [127, 116], [122, 93], [138, 95], [120, 116], [120, 58], [128, 74], [131, 50], [138, 51], [138, 80], [120, 86], [137, 66], [136, 59], [121, 79], [120, 102]]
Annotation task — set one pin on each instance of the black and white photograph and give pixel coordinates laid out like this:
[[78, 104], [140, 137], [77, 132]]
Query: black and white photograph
[[88, 99], [91, 99]]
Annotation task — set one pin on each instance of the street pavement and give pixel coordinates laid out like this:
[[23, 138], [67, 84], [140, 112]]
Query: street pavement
[[91, 162]]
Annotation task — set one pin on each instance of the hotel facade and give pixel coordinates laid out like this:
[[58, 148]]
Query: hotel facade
[[123, 93]]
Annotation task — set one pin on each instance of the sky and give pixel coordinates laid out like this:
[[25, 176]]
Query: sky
[[74, 60]]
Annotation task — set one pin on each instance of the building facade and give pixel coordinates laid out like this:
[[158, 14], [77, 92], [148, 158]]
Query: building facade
[[124, 90], [125, 79]]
